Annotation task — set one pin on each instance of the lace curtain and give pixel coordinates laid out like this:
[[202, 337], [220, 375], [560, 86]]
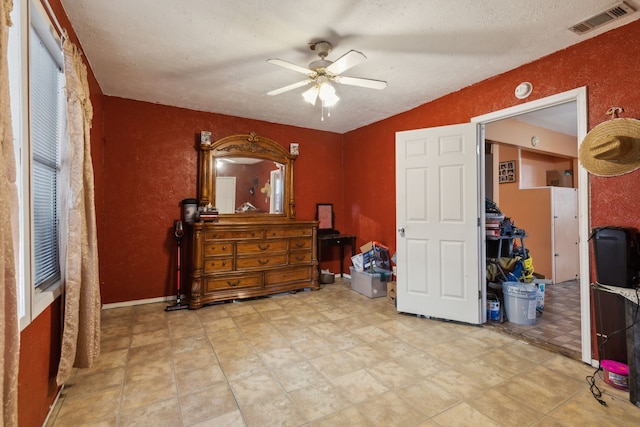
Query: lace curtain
[[10, 337], [81, 330]]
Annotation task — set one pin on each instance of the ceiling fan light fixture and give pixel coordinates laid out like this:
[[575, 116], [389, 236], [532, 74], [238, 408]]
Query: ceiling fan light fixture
[[328, 94], [311, 94]]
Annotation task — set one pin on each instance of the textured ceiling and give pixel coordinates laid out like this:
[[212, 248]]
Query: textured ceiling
[[210, 55]]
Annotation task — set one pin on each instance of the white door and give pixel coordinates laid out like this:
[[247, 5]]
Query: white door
[[226, 194], [566, 250], [438, 205]]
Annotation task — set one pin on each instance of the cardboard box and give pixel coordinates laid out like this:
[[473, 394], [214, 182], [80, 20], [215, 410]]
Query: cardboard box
[[368, 284], [560, 178], [380, 256], [362, 261], [391, 292]]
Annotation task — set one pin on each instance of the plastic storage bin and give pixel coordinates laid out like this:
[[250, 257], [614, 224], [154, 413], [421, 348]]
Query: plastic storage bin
[[520, 302]]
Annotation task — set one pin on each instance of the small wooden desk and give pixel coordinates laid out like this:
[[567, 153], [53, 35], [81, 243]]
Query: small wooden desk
[[336, 239]]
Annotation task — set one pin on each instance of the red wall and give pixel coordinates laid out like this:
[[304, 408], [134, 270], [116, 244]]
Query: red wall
[[150, 161], [606, 65], [39, 357]]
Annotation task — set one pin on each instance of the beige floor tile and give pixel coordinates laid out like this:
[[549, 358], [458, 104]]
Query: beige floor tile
[[268, 341], [148, 391], [388, 410], [280, 411], [245, 365], [335, 364], [428, 398], [107, 360], [507, 410], [95, 381], [256, 388], [318, 400], [280, 357], [457, 383], [151, 369], [184, 362], [84, 410], [142, 354], [349, 417], [463, 415], [190, 344], [392, 374], [200, 378], [359, 386], [365, 355], [344, 341], [298, 375], [231, 419], [312, 348], [165, 413], [205, 404], [237, 309], [159, 336]]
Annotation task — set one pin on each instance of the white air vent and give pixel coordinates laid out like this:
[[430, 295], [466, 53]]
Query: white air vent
[[618, 11]]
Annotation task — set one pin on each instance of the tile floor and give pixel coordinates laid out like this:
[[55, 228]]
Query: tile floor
[[324, 358], [557, 325]]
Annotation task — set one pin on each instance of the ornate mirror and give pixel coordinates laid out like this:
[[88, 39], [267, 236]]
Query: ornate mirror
[[245, 175]]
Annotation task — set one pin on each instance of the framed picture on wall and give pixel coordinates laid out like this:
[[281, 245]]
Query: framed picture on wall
[[507, 172], [324, 215]]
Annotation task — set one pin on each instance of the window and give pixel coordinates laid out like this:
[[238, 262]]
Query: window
[[45, 90], [38, 116]]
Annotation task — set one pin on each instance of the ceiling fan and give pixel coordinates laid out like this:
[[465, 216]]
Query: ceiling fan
[[322, 72]]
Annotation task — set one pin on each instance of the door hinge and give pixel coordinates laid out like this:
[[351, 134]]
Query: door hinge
[[479, 293]]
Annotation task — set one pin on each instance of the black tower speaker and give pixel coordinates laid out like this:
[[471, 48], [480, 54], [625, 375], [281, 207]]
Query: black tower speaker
[[616, 256]]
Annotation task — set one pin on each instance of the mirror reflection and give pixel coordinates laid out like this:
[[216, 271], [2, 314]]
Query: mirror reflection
[[249, 185]]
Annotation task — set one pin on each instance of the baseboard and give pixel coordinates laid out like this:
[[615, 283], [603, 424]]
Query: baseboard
[[139, 302]]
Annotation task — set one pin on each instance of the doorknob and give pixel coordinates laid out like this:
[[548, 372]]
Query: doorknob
[[401, 230]]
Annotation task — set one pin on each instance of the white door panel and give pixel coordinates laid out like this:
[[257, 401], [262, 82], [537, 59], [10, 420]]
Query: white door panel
[[437, 213]]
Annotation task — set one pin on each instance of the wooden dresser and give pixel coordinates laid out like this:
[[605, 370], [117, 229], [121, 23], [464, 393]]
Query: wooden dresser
[[242, 260], [256, 247]]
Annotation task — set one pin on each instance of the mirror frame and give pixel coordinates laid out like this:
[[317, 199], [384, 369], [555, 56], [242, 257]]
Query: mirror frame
[[244, 145]]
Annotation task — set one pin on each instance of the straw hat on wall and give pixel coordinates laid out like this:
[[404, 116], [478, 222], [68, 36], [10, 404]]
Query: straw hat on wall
[[612, 148]]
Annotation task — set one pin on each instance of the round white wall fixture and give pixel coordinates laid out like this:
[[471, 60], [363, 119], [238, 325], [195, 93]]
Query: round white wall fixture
[[535, 141], [523, 90]]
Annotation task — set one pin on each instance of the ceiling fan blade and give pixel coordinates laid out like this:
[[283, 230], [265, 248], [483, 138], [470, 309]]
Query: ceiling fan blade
[[357, 81], [346, 61], [289, 87], [291, 66]]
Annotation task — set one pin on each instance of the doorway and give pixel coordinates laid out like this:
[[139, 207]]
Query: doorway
[[577, 96]]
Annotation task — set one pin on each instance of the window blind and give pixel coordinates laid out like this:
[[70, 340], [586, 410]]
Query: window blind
[[45, 92]]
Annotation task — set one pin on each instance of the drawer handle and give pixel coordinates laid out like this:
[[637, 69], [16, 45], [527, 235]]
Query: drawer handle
[[224, 248], [299, 244], [264, 248], [230, 283], [300, 258], [261, 262]]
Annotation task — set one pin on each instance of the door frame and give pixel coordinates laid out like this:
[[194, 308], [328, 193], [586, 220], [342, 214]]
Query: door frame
[[579, 96]]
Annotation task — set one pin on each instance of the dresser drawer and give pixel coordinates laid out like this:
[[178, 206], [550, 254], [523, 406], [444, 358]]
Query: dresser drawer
[[234, 234], [261, 261], [295, 244], [289, 232], [286, 275], [232, 282], [299, 257], [217, 248], [212, 265], [261, 247]]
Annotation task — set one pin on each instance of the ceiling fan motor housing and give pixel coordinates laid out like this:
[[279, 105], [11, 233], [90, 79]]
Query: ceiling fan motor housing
[[322, 48]]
